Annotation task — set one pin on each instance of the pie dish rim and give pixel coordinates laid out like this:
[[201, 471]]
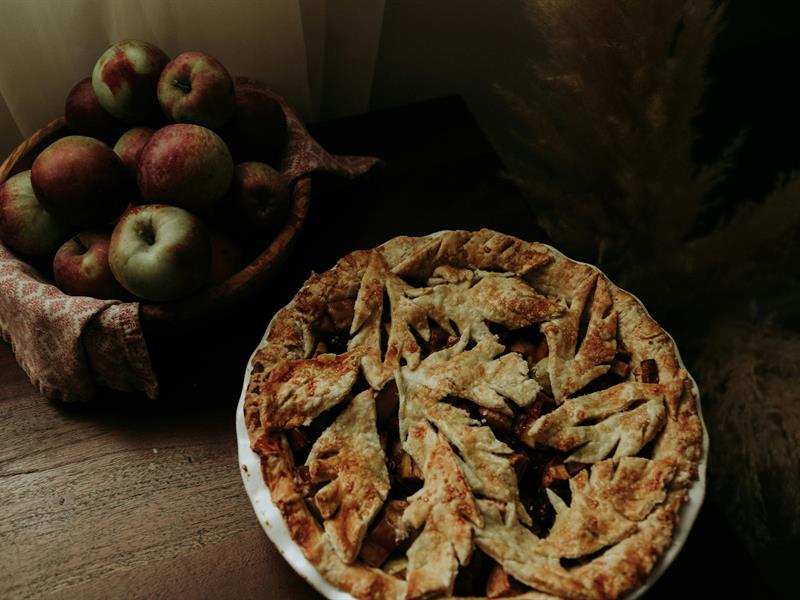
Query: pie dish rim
[[274, 526]]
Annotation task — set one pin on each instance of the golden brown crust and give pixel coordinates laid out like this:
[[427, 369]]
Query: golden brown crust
[[445, 510], [349, 457], [299, 390], [623, 506], [358, 579], [620, 431]]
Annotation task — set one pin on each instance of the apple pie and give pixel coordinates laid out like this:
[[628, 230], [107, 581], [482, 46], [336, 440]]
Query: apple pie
[[469, 414]]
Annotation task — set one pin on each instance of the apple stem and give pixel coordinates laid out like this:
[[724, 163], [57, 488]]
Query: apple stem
[[146, 232], [81, 245], [183, 86]]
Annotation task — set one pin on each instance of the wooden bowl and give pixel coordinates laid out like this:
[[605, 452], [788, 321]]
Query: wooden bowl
[[210, 303]]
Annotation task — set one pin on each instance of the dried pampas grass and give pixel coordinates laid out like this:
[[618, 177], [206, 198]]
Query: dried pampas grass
[[604, 152], [605, 149], [752, 405], [607, 120]]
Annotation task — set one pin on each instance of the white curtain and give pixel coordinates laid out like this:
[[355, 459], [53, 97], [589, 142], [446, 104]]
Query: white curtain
[[328, 58], [320, 55]]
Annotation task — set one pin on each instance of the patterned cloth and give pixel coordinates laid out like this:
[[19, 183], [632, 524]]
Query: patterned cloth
[[69, 344]]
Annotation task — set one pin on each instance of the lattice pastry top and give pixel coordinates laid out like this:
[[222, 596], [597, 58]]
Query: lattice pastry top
[[471, 414]]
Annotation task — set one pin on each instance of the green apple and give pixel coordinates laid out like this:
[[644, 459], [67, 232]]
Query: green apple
[[25, 226], [125, 79], [160, 252]]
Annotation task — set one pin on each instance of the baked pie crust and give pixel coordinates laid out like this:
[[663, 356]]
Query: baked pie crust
[[471, 414]]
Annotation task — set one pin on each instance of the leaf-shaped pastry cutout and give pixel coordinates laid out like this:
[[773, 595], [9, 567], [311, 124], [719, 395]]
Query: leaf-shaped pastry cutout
[[444, 249], [368, 341], [500, 299], [445, 507], [367, 322], [432, 564], [470, 374], [571, 367], [633, 485], [370, 294], [289, 338], [449, 274], [523, 555], [497, 251], [589, 523], [349, 454], [604, 510], [297, 391], [510, 302], [416, 432], [622, 418], [405, 315], [487, 467], [477, 376], [365, 330]]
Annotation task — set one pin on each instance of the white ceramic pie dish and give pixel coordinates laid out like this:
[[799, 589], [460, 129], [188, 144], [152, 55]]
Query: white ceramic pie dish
[[274, 526]]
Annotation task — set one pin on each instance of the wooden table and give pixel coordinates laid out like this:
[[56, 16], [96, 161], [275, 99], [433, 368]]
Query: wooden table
[[127, 498]]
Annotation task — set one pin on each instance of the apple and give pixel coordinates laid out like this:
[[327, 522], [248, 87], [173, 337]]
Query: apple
[[125, 79], [81, 181], [25, 226], [185, 165], [258, 129], [226, 258], [130, 144], [258, 198], [81, 268], [85, 116], [196, 88], [160, 252]]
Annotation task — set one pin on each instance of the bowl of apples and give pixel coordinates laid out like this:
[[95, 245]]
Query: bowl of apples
[[165, 182]]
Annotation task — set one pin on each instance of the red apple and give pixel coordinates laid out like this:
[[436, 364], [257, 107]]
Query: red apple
[[196, 88], [130, 144], [258, 199], [160, 252], [85, 116], [125, 78], [25, 226], [185, 165], [226, 258], [80, 181], [257, 130], [81, 268]]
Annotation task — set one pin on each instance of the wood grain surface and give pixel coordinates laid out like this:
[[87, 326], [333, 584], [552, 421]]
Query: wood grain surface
[[135, 500]]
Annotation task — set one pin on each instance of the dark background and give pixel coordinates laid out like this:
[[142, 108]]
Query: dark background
[[754, 91]]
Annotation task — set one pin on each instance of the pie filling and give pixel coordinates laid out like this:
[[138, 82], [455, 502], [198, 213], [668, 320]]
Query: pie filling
[[472, 436], [536, 468]]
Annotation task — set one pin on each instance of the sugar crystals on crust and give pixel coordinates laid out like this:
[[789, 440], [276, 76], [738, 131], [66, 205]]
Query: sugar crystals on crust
[[468, 413]]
